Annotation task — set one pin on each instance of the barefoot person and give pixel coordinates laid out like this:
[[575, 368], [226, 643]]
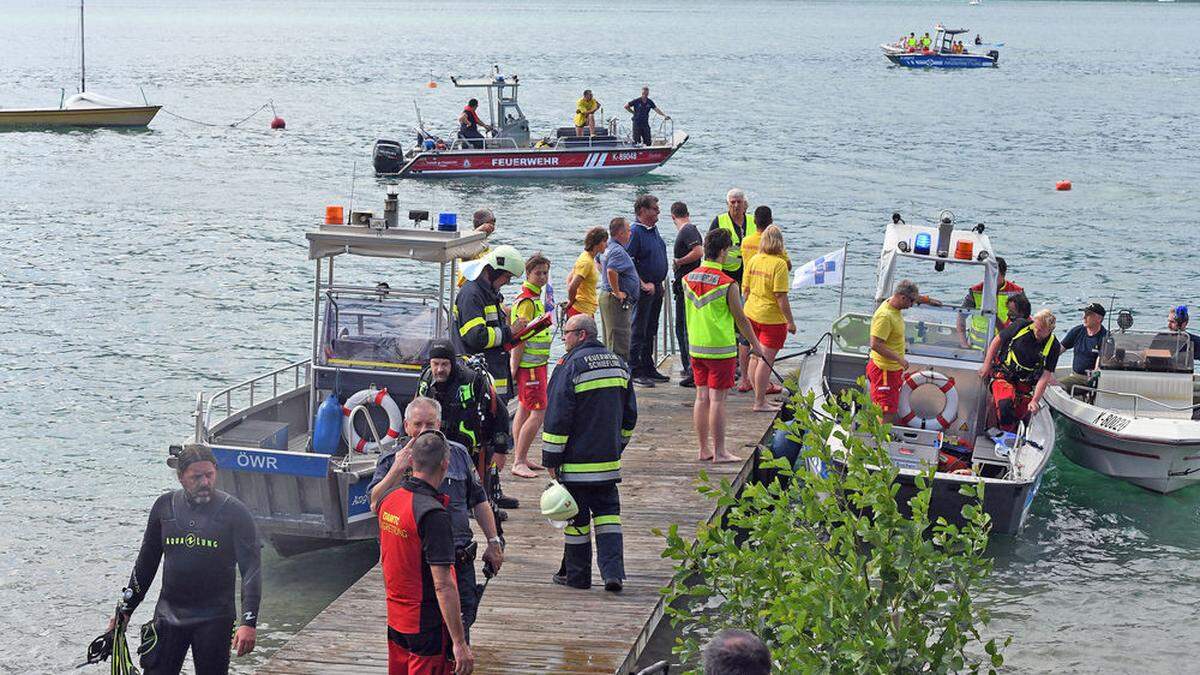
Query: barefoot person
[[768, 309], [714, 308], [529, 359]]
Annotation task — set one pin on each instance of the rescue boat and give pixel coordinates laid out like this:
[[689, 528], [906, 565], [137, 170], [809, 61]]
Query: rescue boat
[[941, 55], [511, 152], [944, 418]]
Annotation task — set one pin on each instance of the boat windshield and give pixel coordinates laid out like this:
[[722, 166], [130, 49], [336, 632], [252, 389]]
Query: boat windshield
[[942, 332], [1163, 352], [372, 333]]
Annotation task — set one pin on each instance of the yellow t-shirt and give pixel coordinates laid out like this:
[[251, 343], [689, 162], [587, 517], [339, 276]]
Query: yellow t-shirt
[[765, 276], [888, 325], [750, 247], [586, 301], [461, 279], [582, 108]]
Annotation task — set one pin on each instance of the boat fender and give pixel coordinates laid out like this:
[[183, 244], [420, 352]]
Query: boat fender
[[327, 426], [380, 398], [1062, 185], [942, 420]]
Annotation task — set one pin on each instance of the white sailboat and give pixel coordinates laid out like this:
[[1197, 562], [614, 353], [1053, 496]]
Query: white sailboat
[[84, 109]]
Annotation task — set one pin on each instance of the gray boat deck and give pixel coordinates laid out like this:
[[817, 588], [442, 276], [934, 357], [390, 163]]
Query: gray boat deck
[[526, 623]]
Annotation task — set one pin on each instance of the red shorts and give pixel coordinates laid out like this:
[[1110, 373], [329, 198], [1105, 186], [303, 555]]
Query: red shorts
[[885, 386], [531, 387], [714, 373], [571, 311], [771, 335]]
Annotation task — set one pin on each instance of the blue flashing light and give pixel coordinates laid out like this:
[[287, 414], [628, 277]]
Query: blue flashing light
[[922, 243]]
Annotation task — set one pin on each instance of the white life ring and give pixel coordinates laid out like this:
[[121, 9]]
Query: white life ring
[[380, 398], [942, 420]]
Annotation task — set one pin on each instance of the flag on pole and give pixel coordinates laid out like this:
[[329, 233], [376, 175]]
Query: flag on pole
[[827, 270]]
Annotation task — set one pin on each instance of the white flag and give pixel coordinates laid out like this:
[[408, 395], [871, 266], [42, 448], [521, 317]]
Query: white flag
[[824, 271]]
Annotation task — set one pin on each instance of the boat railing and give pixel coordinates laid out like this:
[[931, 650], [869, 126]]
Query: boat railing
[[489, 143], [292, 376], [1158, 405]]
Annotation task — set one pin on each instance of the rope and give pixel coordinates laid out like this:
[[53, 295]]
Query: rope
[[268, 104]]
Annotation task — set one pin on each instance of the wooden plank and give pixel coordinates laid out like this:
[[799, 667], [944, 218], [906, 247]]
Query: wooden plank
[[526, 623]]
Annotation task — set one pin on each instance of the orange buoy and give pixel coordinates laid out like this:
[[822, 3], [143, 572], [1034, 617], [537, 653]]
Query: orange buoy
[[1062, 185], [432, 84], [333, 215]]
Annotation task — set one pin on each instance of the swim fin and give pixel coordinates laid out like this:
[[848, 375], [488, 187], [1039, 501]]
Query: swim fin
[[112, 645]]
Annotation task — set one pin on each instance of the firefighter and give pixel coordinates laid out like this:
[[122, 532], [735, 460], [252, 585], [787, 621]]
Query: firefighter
[[480, 323], [1021, 362], [472, 414], [589, 421]]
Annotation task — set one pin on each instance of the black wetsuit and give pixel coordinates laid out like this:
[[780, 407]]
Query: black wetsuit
[[199, 545]]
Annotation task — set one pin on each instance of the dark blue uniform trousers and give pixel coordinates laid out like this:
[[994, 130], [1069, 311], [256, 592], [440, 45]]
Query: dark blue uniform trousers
[[599, 511]]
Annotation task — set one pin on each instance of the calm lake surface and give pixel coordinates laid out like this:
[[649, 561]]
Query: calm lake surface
[[138, 268]]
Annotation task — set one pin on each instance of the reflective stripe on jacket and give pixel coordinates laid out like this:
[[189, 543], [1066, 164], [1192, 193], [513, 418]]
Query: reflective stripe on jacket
[[733, 259], [710, 328], [537, 347], [480, 326]]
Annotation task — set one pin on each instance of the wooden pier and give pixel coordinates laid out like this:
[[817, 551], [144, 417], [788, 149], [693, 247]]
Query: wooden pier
[[528, 624]]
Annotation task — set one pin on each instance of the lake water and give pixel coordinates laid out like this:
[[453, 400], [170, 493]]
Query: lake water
[[138, 268]]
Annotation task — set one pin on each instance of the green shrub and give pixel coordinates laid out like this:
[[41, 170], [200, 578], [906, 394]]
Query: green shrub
[[828, 570]]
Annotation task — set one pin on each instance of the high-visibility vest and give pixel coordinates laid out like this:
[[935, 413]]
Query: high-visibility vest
[[537, 347], [710, 327], [977, 330], [733, 260], [912, 42], [925, 42], [1012, 366]]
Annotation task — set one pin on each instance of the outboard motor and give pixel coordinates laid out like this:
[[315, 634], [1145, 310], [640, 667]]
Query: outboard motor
[[994, 55], [388, 156]]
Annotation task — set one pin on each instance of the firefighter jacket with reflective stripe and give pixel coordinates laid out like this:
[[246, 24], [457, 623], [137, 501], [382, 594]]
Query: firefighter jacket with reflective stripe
[[710, 327], [733, 259], [472, 414], [537, 346], [590, 415], [481, 327]]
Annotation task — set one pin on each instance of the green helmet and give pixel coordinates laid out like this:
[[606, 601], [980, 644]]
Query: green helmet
[[507, 259], [558, 505]]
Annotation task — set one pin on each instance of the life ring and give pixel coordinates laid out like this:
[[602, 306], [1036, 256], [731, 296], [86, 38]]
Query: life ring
[[380, 398], [949, 412]]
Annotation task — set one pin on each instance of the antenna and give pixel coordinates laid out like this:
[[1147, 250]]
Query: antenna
[[82, 62], [353, 177]]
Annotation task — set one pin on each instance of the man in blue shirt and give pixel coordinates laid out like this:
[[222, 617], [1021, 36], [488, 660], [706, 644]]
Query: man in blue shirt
[[641, 107], [649, 253], [1086, 340], [622, 288]]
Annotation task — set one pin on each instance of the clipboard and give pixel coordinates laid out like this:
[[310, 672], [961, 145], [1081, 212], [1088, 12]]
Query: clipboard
[[536, 326]]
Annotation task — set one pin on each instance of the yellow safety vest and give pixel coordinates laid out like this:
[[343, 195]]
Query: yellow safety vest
[[537, 347], [733, 260], [711, 333], [977, 330]]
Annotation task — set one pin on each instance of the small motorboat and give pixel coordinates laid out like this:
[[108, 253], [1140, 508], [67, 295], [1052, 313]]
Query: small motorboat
[[941, 54], [1137, 418], [512, 153], [84, 109], [298, 445], [943, 416]]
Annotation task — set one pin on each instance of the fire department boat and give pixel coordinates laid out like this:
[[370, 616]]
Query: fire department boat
[[944, 405], [511, 153], [369, 344], [941, 55]]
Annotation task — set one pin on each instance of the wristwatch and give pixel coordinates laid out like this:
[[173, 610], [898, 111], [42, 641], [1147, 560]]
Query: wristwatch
[[497, 541]]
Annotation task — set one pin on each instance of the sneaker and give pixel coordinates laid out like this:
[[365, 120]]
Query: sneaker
[[613, 585], [688, 381], [561, 580], [657, 376], [506, 502], [643, 381]]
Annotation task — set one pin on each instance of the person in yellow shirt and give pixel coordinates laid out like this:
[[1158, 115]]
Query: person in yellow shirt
[[885, 368], [581, 283], [767, 307], [763, 218], [585, 113]]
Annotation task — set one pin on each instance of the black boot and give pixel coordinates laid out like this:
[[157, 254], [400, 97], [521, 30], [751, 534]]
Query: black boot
[[498, 492]]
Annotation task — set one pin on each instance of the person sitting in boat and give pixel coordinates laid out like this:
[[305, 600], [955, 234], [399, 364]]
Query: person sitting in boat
[[1086, 339], [978, 40], [926, 42], [911, 43], [1018, 367], [975, 334], [585, 113], [1178, 320], [469, 123]]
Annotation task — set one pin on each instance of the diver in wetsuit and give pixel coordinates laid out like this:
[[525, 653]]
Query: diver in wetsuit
[[200, 533]]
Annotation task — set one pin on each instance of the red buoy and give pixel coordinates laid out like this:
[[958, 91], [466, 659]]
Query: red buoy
[[1062, 185], [278, 123]]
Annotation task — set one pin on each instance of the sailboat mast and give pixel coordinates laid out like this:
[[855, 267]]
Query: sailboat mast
[[82, 62]]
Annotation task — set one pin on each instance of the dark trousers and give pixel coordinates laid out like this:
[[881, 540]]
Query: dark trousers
[[599, 511], [469, 134], [641, 134], [165, 645], [681, 328], [645, 329], [468, 593]]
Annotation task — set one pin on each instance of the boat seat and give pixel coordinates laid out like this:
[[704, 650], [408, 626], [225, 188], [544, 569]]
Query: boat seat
[[1168, 389]]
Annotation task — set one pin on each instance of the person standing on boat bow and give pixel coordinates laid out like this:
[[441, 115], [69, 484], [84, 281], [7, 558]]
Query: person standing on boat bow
[[640, 108], [1021, 362], [469, 123], [200, 534]]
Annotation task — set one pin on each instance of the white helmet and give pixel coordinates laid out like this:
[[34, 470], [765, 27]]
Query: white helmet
[[508, 259], [558, 505]]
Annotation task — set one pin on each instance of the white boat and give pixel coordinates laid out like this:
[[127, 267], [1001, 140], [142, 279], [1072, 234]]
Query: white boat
[[1137, 420], [944, 412], [84, 109]]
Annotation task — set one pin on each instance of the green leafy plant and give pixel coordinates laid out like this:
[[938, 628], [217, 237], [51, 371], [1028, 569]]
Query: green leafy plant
[[829, 570]]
